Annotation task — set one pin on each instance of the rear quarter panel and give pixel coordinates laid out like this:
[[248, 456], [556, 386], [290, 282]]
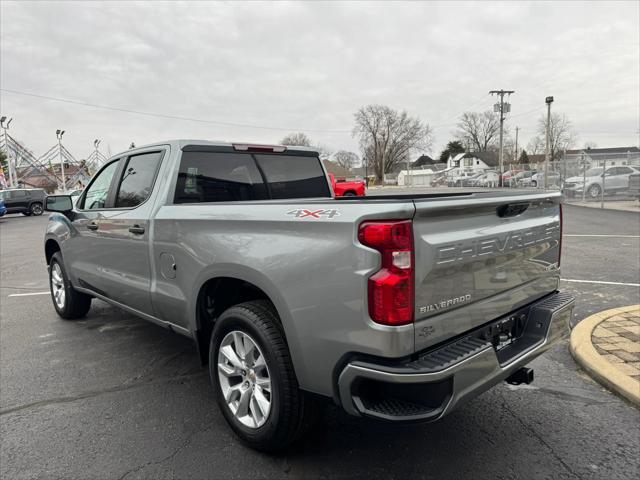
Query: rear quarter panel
[[313, 269]]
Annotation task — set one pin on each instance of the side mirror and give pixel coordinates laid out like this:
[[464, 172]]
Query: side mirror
[[59, 203]]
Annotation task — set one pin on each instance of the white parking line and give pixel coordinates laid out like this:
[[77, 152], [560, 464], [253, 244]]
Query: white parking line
[[601, 282], [28, 294], [604, 236]]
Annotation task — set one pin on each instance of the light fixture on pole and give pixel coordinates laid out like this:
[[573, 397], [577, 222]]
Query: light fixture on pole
[[548, 101], [59, 134]]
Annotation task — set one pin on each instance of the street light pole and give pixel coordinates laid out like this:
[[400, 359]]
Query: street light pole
[[548, 101], [13, 176], [59, 134], [96, 144]]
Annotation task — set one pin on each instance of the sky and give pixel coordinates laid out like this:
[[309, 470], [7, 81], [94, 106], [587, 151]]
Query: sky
[[253, 72]]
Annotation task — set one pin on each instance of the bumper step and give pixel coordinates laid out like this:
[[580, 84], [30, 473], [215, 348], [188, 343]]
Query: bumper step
[[432, 384]]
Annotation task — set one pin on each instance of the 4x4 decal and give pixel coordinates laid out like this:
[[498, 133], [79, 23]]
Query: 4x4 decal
[[313, 214]]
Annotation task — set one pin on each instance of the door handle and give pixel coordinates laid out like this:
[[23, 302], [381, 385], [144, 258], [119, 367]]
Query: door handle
[[137, 230], [92, 226]]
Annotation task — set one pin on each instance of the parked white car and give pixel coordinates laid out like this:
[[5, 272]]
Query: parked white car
[[537, 179], [616, 179], [490, 178], [460, 179], [523, 179]]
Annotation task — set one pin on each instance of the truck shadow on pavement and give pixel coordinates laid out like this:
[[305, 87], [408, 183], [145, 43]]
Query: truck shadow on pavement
[[140, 394], [464, 442]]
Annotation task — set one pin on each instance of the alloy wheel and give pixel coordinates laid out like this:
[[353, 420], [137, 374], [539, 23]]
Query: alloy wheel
[[244, 379], [57, 286]]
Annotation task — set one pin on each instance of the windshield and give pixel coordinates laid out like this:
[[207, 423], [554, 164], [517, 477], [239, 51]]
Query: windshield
[[593, 172]]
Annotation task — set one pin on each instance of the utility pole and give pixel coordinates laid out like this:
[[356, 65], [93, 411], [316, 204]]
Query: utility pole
[[59, 134], [548, 101], [516, 156], [503, 108]]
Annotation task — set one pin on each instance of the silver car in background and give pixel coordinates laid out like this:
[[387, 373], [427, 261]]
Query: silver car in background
[[596, 180]]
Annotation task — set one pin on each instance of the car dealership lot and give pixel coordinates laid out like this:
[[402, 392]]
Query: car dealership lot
[[114, 397]]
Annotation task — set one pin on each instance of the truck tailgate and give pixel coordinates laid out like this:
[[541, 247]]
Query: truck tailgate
[[480, 257]]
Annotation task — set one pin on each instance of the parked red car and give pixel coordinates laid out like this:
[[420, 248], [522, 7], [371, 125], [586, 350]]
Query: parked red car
[[342, 188]]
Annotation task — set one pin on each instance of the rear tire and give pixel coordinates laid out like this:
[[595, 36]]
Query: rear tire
[[68, 302], [289, 410]]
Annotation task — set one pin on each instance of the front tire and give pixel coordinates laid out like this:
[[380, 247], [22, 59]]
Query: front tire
[[594, 191], [252, 373], [69, 303]]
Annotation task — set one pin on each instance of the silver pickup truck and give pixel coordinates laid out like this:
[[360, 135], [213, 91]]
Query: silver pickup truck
[[396, 307]]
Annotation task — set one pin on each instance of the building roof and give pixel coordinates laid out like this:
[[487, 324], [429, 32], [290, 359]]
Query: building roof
[[604, 151], [489, 158], [425, 161]]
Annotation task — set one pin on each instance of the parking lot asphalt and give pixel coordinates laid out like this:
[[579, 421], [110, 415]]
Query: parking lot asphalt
[[112, 396]]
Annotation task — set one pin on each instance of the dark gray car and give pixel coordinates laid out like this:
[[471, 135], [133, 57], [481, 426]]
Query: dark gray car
[[397, 307], [28, 201]]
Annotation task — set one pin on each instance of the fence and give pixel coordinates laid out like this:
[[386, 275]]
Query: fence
[[582, 177]]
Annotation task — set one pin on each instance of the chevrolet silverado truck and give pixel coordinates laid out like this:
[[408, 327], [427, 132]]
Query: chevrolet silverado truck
[[395, 307]]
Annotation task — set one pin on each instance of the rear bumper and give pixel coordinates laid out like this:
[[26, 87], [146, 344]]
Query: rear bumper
[[428, 387]]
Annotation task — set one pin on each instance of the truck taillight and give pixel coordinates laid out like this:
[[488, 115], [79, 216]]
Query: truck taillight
[[391, 287]]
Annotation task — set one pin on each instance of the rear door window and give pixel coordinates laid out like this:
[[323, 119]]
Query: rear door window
[[291, 176], [218, 177]]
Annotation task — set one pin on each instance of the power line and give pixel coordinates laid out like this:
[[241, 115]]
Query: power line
[[171, 117]]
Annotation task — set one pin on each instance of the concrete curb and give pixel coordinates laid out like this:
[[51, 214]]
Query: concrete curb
[[618, 206], [602, 370]]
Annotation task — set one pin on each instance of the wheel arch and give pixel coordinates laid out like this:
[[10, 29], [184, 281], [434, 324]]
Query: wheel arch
[[51, 246], [222, 290]]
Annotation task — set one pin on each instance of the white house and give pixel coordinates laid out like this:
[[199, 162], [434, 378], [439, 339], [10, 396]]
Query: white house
[[597, 157], [473, 161]]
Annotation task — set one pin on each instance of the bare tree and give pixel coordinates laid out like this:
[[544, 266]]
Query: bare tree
[[478, 130], [590, 145], [562, 136], [299, 139], [324, 152], [388, 137], [536, 146], [346, 159]]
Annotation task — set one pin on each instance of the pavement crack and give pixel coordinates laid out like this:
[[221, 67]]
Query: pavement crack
[[529, 429], [177, 450], [95, 393]]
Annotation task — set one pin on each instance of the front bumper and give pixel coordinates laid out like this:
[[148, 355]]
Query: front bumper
[[429, 386]]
